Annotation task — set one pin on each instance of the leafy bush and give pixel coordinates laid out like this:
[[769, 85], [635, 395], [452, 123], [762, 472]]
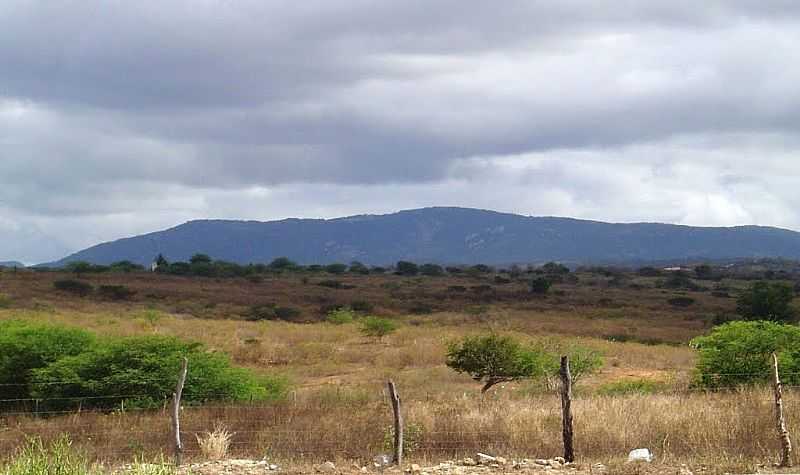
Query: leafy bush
[[5, 301], [378, 327], [335, 284], [287, 313], [26, 346], [407, 268], [336, 269], [681, 301], [767, 301], [115, 292], [144, 369], [540, 285], [77, 287], [340, 316], [739, 352], [432, 270], [494, 359], [261, 312]]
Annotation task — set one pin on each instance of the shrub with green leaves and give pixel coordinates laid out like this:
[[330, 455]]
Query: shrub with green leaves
[[767, 301], [378, 327], [739, 352], [73, 286], [340, 316], [144, 369], [25, 346], [494, 359]]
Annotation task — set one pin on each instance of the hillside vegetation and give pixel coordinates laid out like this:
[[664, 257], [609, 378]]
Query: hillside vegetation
[[306, 328]]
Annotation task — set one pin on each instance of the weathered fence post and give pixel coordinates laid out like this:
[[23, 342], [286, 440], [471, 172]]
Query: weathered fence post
[[176, 413], [398, 424], [783, 432], [566, 409]]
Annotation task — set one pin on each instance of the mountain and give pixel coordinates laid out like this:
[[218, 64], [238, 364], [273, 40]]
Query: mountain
[[445, 235], [11, 264]]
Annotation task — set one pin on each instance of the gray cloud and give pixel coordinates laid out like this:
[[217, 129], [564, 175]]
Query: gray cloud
[[124, 117]]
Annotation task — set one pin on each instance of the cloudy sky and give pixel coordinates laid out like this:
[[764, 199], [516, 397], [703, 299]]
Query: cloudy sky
[[120, 117]]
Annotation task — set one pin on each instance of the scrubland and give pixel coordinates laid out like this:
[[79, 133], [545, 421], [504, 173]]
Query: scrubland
[[337, 407]]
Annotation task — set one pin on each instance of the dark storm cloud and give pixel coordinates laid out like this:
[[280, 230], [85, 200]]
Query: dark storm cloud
[[128, 115]]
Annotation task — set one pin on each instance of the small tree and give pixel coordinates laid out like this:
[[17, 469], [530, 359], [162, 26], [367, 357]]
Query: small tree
[[767, 301], [738, 353], [282, 263], [79, 268], [494, 359], [336, 268], [357, 267], [407, 268], [200, 259], [432, 270], [378, 327], [540, 285]]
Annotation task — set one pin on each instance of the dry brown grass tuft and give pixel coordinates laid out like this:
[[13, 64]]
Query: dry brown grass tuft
[[214, 445]]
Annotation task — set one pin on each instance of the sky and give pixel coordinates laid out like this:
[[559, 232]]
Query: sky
[[119, 118]]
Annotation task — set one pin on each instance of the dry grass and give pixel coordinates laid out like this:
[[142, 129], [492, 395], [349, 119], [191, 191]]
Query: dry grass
[[338, 409], [351, 423], [214, 445]]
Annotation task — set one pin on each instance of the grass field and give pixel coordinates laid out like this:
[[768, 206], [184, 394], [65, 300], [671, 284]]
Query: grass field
[[337, 407]]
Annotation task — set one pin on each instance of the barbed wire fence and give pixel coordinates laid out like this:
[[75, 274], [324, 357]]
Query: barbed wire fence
[[116, 427]]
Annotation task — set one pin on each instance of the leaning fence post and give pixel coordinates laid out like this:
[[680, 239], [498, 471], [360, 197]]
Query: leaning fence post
[[566, 409], [176, 413], [783, 432], [398, 424]]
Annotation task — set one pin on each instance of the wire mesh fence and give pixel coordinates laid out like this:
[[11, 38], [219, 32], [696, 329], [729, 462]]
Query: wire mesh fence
[[733, 420]]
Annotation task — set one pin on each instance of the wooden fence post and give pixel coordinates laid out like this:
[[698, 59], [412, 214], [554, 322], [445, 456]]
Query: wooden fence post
[[783, 432], [566, 409], [176, 413], [398, 424]]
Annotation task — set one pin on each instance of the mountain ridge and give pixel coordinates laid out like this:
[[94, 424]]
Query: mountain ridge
[[445, 235]]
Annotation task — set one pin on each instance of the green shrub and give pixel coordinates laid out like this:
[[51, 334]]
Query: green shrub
[[378, 327], [494, 359], [144, 369], [738, 353], [77, 287], [261, 312], [767, 301], [340, 316], [335, 284], [56, 458], [287, 313], [631, 386], [540, 285], [115, 292], [432, 270], [5, 301], [406, 268], [26, 346], [336, 269]]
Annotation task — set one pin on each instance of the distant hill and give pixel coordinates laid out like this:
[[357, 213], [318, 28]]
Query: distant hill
[[446, 235], [11, 264]]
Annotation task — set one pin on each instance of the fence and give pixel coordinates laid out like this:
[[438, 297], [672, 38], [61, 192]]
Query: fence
[[356, 424]]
